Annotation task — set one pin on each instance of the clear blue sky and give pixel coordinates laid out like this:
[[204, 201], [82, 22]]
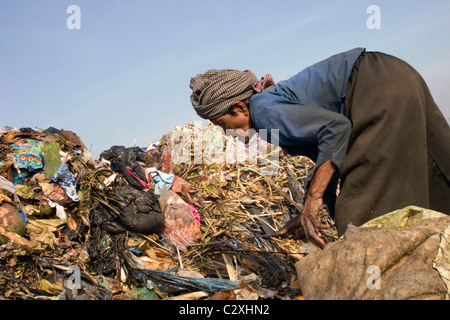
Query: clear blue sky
[[125, 74]]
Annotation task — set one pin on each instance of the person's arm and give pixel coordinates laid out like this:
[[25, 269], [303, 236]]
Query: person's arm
[[307, 221], [307, 129]]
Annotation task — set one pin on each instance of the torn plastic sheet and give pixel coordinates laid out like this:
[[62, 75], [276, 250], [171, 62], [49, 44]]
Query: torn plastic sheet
[[66, 180], [163, 181], [169, 282], [60, 212], [9, 186]]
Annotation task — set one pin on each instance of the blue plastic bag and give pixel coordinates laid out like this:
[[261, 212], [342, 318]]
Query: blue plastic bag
[[66, 180]]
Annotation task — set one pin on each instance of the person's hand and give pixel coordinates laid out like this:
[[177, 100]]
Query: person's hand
[[307, 223]]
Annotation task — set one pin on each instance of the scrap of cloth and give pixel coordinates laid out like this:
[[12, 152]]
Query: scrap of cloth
[[214, 91], [373, 115]]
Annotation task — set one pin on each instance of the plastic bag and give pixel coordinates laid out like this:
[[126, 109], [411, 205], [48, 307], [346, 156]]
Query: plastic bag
[[162, 181], [66, 180], [180, 225], [28, 157]]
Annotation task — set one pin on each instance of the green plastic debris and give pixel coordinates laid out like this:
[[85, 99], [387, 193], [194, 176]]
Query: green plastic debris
[[141, 294]]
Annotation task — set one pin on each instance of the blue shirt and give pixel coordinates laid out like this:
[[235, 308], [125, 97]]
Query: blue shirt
[[308, 110]]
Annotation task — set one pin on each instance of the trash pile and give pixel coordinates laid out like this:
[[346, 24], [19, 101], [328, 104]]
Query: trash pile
[[141, 224]]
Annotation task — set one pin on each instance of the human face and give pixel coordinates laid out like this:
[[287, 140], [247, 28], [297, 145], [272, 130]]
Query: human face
[[240, 119]]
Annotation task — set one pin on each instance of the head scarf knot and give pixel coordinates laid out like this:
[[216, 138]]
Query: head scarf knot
[[214, 92]]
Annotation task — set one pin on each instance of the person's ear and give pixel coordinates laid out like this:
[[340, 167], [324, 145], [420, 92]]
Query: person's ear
[[240, 106]]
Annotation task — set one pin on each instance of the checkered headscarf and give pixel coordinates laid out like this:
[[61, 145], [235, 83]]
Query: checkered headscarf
[[214, 91]]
